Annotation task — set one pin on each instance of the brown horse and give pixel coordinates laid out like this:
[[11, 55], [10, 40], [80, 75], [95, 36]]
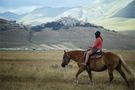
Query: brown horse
[[109, 61]]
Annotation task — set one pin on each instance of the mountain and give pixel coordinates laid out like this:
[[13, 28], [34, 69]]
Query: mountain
[[127, 12], [122, 20], [43, 15], [76, 13], [7, 25], [75, 36], [82, 37], [64, 23], [117, 15], [49, 11], [129, 33], [100, 14], [10, 16], [13, 34]]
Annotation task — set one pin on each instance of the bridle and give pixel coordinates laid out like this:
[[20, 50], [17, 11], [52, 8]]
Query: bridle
[[66, 59]]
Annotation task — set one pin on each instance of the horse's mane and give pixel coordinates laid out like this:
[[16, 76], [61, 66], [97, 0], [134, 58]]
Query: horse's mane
[[76, 51]]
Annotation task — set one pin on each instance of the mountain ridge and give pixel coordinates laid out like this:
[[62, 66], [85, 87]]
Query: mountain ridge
[[127, 12], [100, 14], [65, 23], [10, 15], [78, 36]]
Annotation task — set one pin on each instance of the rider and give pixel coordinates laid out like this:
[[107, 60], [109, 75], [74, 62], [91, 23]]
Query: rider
[[96, 46]]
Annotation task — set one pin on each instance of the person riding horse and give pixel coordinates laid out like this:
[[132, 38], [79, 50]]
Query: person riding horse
[[96, 46], [109, 61]]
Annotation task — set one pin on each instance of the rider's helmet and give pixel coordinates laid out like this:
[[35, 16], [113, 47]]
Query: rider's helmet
[[97, 34]]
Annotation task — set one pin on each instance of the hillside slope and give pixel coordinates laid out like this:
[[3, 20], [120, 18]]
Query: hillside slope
[[12, 34], [75, 36], [127, 12]]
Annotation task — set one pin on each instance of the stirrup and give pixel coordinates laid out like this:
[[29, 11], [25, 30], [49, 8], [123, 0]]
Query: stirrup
[[83, 64]]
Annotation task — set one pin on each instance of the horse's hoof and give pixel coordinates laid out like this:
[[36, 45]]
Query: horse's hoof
[[92, 83], [75, 82]]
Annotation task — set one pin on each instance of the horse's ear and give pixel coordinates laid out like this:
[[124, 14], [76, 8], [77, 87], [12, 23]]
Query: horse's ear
[[64, 51]]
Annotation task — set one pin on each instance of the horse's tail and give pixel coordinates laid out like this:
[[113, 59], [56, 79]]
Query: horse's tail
[[126, 67]]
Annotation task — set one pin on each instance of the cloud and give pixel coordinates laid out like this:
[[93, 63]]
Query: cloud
[[23, 10], [23, 6], [97, 1], [103, 1], [22, 3]]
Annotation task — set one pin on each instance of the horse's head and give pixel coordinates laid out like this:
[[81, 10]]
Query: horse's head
[[66, 59]]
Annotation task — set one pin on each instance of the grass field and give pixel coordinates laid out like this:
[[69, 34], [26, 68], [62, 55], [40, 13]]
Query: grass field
[[41, 70]]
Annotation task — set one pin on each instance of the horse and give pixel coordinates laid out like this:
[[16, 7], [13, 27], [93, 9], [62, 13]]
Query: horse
[[109, 61]]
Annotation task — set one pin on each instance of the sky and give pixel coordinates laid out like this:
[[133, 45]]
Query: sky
[[24, 6]]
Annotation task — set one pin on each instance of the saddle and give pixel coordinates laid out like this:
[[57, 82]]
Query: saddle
[[98, 54]]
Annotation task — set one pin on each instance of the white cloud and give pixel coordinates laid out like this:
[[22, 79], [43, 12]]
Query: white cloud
[[24, 6], [97, 1], [2, 10], [20, 10], [23, 10]]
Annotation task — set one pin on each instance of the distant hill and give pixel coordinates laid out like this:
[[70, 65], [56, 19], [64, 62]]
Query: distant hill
[[12, 34], [75, 37], [83, 37], [10, 16], [64, 23], [127, 12], [7, 25], [115, 15], [48, 11], [129, 33], [43, 15]]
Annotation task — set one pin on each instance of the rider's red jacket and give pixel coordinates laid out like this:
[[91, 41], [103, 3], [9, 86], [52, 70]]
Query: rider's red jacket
[[98, 43]]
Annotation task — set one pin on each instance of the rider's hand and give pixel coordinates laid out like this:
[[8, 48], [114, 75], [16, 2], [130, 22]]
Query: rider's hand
[[88, 49]]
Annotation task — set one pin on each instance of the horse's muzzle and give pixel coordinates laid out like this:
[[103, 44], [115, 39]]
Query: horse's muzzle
[[62, 65]]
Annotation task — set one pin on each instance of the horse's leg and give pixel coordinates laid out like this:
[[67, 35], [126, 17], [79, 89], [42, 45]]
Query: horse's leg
[[81, 69], [89, 73], [110, 72], [122, 74]]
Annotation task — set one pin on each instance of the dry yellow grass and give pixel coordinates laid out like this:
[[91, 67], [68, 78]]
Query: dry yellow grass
[[41, 70], [30, 55]]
